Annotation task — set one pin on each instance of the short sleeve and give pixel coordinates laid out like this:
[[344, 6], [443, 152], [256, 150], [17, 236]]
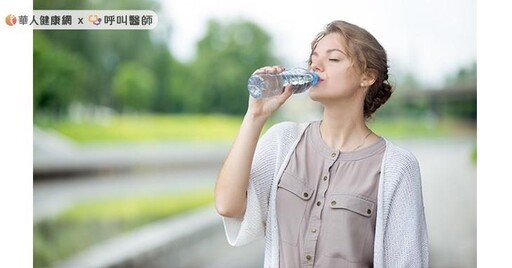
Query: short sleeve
[[249, 227]]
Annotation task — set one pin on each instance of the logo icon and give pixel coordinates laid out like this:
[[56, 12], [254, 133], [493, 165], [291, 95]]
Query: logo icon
[[95, 19], [10, 19]]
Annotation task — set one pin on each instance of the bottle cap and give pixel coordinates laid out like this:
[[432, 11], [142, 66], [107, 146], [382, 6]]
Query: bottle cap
[[316, 79]]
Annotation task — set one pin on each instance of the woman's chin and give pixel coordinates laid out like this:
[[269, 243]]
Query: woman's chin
[[314, 94]]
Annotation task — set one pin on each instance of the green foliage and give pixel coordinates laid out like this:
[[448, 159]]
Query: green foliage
[[88, 223], [143, 207], [133, 86], [148, 128], [136, 71], [465, 76], [226, 56], [59, 76], [103, 52], [474, 155], [132, 70], [403, 127]]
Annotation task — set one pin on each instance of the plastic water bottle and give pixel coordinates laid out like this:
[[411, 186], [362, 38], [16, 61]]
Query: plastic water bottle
[[268, 85]]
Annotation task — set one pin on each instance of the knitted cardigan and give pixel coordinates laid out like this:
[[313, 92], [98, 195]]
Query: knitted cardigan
[[400, 231]]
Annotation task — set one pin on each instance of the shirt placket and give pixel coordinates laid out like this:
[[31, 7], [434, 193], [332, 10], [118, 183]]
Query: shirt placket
[[315, 220]]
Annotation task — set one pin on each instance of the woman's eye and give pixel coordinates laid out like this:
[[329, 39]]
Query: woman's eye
[[334, 60]]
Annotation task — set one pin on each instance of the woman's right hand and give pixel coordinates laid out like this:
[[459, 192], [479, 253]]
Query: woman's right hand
[[264, 107]]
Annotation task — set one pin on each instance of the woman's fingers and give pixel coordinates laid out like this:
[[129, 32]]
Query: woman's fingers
[[287, 92], [270, 69]]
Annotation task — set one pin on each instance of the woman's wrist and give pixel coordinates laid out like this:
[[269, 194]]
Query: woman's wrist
[[255, 118]]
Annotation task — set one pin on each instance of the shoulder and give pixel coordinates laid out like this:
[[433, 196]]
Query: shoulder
[[286, 130], [397, 157], [401, 174], [288, 126]]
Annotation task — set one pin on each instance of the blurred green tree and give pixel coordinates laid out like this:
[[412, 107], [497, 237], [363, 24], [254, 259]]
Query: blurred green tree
[[465, 76], [102, 51], [59, 76], [226, 56], [214, 82], [465, 106], [133, 87]]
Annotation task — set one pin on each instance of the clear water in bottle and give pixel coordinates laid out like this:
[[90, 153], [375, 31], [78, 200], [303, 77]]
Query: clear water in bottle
[[268, 85]]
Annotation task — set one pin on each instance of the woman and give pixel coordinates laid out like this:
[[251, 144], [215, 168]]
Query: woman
[[329, 193]]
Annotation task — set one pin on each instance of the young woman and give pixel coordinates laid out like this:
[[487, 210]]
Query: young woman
[[328, 193]]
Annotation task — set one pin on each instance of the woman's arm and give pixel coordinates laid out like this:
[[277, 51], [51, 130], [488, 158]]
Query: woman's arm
[[231, 187], [233, 178]]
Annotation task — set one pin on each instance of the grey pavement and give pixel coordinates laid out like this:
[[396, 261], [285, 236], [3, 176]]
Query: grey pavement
[[55, 154], [449, 192], [171, 243], [448, 177], [52, 196], [72, 173]]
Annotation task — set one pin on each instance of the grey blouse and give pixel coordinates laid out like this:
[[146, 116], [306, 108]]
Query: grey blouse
[[326, 202]]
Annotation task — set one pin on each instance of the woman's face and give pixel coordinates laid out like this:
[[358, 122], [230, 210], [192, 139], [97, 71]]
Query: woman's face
[[338, 77]]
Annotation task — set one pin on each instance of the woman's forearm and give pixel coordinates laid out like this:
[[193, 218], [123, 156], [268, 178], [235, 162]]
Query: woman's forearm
[[233, 179]]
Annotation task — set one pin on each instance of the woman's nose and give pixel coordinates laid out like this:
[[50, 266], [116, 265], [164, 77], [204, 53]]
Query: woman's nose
[[315, 67]]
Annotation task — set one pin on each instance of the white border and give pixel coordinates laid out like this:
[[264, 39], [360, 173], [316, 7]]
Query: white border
[[16, 138]]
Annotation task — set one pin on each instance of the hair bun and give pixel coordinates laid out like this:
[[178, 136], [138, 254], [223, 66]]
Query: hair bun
[[376, 96]]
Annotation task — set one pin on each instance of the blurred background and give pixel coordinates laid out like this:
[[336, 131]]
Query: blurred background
[[131, 127]]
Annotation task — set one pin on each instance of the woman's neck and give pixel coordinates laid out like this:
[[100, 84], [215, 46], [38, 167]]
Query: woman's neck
[[343, 129]]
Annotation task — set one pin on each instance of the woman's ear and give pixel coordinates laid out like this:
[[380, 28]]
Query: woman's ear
[[368, 78]]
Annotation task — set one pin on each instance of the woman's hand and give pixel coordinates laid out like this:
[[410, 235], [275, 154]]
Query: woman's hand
[[264, 107]]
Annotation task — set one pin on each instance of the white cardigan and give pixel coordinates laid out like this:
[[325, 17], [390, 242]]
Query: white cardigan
[[400, 231]]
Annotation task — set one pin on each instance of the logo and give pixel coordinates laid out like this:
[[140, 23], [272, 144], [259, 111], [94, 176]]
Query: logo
[[10, 20], [94, 19]]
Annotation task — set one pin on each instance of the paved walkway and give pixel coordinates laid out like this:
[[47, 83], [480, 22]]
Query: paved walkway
[[52, 196], [449, 191], [55, 155]]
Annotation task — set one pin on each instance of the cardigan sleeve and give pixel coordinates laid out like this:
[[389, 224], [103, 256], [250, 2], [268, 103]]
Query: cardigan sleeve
[[251, 226], [405, 233]]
